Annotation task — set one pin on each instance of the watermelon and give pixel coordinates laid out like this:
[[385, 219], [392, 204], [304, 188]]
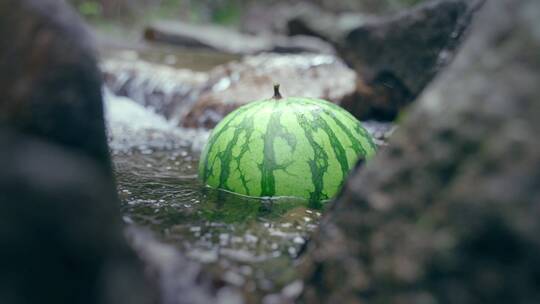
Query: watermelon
[[293, 147]]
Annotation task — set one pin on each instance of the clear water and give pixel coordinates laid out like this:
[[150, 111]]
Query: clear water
[[247, 242], [250, 243]]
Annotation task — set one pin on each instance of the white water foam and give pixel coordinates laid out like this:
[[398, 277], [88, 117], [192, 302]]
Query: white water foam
[[131, 126]]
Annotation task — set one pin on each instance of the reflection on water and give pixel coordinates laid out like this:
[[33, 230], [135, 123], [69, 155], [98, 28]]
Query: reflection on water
[[251, 242]]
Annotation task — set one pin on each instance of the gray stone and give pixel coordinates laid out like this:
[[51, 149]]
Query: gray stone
[[61, 233], [448, 212], [238, 83], [61, 230], [50, 81], [395, 56]]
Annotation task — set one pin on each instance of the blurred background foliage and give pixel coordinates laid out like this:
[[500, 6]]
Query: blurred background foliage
[[224, 12]]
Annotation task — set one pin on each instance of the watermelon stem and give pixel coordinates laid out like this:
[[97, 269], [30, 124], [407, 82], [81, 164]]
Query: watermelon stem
[[277, 94]]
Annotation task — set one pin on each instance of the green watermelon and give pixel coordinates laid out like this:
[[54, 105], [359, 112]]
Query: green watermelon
[[295, 147]]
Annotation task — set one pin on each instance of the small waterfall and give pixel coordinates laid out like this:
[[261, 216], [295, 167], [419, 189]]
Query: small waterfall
[[131, 126], [166, 90]]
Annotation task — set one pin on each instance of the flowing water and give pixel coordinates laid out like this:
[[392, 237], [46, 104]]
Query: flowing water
[[247, 242], [250, 243]]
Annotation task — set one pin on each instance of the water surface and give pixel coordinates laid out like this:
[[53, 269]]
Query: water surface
[[251, 243]]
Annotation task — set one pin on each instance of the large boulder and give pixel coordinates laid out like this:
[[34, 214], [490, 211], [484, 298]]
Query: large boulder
[[448, 212], [238, 83], [395, 56], [61, 234], [50, 81], [61, 230]]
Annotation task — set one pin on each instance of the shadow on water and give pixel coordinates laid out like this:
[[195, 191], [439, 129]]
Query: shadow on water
[[251, 243]]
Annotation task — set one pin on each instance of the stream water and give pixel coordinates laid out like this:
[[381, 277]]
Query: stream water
[[250, 243]]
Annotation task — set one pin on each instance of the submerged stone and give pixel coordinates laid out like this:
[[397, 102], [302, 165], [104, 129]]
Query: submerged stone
[[298, 147]]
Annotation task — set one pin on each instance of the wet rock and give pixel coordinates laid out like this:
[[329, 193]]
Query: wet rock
[[448, 212], [60, 229], [166, 90], [237, 83], [229, 41], [61, 232], [395, 56], [50, 82]]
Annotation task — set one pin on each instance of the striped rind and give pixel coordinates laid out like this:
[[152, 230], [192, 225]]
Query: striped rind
[[299, 147]]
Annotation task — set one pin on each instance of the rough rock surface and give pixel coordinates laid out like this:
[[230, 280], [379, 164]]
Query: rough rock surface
[[395, 56], [448, 213], [60, 229], [235, 84], [49, 77], [229, 41], [61, 232]]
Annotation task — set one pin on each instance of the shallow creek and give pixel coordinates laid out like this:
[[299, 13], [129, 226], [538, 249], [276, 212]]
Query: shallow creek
[[247, 242]]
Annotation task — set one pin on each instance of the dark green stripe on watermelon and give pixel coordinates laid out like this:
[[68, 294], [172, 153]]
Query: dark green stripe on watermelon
[[318, 164], [288, 147]]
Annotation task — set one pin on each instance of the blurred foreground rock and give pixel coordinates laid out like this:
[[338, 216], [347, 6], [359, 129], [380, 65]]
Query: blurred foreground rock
[[395, 56], [60, 229], [235, 84], [229, 41], [61, 233], [448, 213], [50, 82]]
